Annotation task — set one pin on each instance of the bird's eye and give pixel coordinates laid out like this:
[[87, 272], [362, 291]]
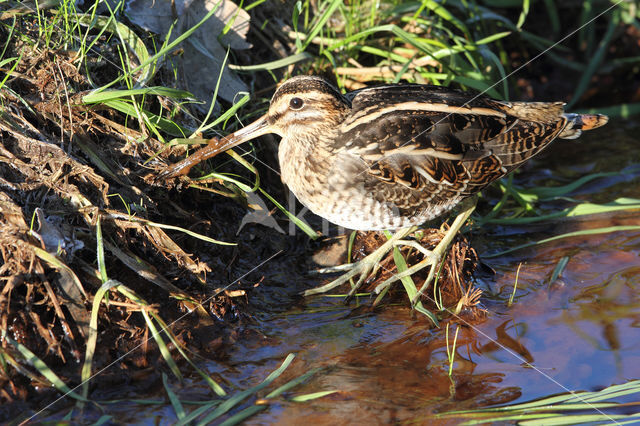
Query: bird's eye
[[296, 103]]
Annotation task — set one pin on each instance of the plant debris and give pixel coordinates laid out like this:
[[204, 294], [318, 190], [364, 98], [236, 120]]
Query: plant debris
[[65, 169], [453, 286]]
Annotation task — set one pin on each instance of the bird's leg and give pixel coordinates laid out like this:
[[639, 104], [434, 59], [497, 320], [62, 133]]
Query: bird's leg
[[414, 244], [369, 264], [437, 254], [364, 267]]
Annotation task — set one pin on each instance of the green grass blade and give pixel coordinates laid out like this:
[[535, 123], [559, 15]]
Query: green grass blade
[[293, 383], [177, 228], [228, 113], [164, 51], [562, 264], [442, 12], [212, 383], [312, 396], [407, 282], [596, 231], [240, 396], [579, 419], [595, 61], [102, 267], [8, 74], [477, 85], [322, 20], [144, 310], [242, 415], [43, 369], [554, 409], [93, 335], [409, 285], [274, 65], [554, 18], [128, 37], [56, 263], [197, 413], [166, 125], [173, 398], [493, 37], [299, 222], [99, 97], [523, 14], [162, 346], [103, 420], [546, 193], [584, 209]]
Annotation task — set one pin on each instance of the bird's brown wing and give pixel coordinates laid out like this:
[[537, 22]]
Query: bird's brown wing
[[424, 146]]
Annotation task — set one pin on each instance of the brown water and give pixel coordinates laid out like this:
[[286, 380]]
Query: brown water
[[581, 332]]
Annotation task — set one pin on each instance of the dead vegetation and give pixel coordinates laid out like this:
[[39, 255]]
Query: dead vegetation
[[454, 277], [67, 169]]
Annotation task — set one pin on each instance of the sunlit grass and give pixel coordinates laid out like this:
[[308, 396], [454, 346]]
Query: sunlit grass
[[515, 285], [213, 410], [519, 206], [451, 348], [600, 407], [439, 48]]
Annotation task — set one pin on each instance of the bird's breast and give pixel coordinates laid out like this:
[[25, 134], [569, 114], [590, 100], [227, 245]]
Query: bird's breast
[[305, 170], [332, 185]]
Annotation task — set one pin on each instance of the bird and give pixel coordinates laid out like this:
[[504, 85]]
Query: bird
[[393, 156]]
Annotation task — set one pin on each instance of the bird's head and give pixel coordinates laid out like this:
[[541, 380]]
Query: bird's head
[[300, 108]]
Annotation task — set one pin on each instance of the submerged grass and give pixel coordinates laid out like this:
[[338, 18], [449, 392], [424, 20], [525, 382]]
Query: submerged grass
[[566, 409], [130, 105], [223, 407]]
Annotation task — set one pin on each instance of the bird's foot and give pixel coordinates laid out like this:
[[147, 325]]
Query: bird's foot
[[363, 268], [369, 265], [432, 258]]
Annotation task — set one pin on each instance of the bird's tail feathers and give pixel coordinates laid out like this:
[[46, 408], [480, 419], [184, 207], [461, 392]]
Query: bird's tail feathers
[[576, 123]]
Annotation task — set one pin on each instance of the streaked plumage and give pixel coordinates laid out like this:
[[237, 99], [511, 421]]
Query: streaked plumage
[[393, 156]]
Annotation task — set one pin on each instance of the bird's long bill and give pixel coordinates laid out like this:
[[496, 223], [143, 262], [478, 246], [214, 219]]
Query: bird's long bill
[[257, 128]]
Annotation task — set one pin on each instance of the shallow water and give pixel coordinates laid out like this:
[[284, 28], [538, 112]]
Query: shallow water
[[581, 333]]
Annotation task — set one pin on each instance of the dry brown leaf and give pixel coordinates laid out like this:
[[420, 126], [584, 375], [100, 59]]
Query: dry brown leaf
[[203, 53]]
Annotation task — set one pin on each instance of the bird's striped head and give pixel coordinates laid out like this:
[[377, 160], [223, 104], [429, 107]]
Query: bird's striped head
[[304, 103], [306, 107]]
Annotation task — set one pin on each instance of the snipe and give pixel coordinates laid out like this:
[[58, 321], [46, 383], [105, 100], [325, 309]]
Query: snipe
[[395, 156]]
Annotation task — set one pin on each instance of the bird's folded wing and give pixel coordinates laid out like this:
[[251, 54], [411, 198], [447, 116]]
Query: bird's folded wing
[[422, 144]]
